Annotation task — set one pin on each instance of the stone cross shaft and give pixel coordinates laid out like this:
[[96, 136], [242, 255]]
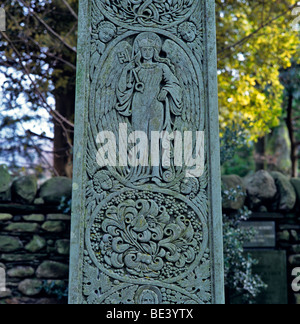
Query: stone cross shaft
[[146, 220]]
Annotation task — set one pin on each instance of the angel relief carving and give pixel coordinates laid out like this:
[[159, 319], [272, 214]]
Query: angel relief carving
[[148, 89], [150, 84]]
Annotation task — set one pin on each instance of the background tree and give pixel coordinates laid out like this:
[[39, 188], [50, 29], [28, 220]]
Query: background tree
[[290, 78], [255, 40], [38, 59]]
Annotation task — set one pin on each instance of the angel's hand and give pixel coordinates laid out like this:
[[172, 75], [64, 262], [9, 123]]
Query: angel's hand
[[163, 95], [130, 66]]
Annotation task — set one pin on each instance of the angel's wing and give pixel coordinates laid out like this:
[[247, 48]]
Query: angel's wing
[[106, 115], [185, 72], [103, 115]]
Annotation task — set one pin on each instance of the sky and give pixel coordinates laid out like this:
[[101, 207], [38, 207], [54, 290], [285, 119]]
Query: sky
[[41, 126]]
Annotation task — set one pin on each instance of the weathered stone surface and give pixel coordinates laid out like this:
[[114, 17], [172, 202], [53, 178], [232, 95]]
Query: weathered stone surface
[[5, 182], [5, 217], [22, 227], [30, 287], [63, 247], [147, 225], [54, 189], [24, 189], [287, 193], [36, 244], [234, 192], [52, 270], [9, 244], [261, 188], [34, 218], [21, 272], [54, 226]]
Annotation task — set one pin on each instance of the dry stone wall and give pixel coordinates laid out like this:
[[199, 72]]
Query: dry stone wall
[[34, 239]]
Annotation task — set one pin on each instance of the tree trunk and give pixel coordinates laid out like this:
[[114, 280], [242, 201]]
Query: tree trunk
[[63, 139], [294, 147], [260, 148]]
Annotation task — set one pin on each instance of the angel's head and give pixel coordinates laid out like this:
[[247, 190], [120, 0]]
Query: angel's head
[[107, 31], [147, 45], [187, 31]]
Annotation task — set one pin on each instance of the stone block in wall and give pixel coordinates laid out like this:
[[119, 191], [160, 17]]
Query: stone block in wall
[[296, 249], [54, 226], [22, 227], [261, 188], [284, 236], [294, 260], [24, 189], [230, 184], [34, 218], [297, 299], [294, 235], [21, 272], [5, 183], [10, 244], [5, 217], [286, 193], [63, 247], [52, 270], [54, 189], [60, 217], [30, 287], [36, 244], [13, 257]]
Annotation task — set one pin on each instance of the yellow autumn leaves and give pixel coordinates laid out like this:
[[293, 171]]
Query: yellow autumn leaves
[[255, 40]]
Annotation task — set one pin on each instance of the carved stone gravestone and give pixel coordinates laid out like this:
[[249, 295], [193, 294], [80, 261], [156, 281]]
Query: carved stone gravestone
[[146, 223]]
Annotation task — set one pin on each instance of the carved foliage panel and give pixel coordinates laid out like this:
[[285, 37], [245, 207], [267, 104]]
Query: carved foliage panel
[[146, 235]]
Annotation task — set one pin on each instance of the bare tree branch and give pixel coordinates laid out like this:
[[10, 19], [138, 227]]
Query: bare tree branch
[[48, 27], [70, 8], [57, 116]]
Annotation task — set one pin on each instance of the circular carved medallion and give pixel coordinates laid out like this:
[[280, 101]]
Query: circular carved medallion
[[147, 235]]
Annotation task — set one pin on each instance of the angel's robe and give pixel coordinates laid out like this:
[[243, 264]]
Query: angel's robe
[[147, 113]]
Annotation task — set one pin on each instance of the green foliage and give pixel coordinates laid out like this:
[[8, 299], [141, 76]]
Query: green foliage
[[242, 285], [236, 150], [242, 163], [57, 289], [65, 205], [255, 39]]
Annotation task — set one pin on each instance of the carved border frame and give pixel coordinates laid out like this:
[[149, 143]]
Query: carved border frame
[[79, 186]]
